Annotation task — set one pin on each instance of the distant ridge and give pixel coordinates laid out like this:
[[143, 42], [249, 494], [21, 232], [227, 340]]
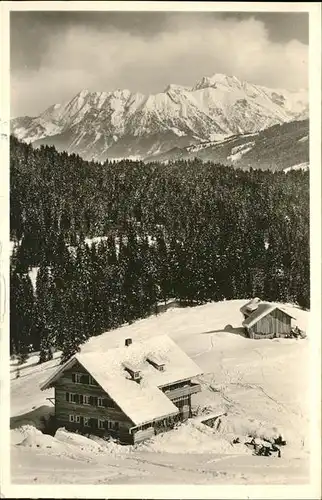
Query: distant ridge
[[280, 147]]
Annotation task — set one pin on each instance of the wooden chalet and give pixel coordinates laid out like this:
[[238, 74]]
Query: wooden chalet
[[265, 320], [127, 392]]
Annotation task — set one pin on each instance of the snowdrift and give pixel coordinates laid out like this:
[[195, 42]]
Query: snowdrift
[[193, 437]]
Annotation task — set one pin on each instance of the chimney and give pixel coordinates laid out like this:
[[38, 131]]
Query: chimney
[[128, 342]]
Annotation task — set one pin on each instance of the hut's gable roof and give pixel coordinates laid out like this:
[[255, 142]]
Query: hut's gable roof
[[143, 401], [262, 310]]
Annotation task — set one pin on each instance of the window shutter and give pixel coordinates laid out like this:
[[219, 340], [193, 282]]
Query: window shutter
[[105, 402], [91, 402], [94, 400], [76, 398], [67, 396], [81, 399], [73, 377]]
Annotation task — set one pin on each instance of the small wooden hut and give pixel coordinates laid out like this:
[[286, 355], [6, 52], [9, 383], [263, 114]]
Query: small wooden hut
[[267, 321]]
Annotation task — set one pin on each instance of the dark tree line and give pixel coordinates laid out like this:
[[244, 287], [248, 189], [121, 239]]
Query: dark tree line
[[190, 230]]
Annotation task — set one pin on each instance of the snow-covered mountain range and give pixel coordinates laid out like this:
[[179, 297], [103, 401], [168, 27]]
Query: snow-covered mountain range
[[100, 125]]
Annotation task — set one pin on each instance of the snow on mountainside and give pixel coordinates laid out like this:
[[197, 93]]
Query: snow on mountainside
[[262, 385], [121, 124], [300, 166], [280, 147]]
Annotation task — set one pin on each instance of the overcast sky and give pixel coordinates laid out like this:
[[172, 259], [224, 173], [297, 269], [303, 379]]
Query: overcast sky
[[54, 55]]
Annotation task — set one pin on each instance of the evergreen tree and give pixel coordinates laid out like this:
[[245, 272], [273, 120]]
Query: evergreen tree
[[21, 314], [148, 278], [45, 314]]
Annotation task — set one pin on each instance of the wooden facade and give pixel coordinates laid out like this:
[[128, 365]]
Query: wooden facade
[[82, 405], [94, 406], [276, 323]]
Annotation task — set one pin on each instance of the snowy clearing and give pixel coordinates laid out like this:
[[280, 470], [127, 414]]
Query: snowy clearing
[[300, 166], [261, 385], [238, 151]]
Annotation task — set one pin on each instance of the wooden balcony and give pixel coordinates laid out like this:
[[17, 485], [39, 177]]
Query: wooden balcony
[[186, 390]]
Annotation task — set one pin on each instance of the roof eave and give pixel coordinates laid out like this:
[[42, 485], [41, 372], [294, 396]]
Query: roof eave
[[50, 381], [254, 321], [166, 415], [177, 381], [287, 314]]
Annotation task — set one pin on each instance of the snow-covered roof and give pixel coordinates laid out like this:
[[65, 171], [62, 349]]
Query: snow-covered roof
[[262, 310], [250, 306], [144, 401]]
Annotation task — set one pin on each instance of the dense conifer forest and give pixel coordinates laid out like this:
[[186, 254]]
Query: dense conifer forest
[[189, 230]]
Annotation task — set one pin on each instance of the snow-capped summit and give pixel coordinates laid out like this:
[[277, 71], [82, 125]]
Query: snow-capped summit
[[216, 106], [217, 79]]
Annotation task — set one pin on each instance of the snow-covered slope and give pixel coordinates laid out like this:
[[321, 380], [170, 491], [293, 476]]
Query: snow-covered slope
[[262, 385], [122, 124], [279, 147], [300, 166]]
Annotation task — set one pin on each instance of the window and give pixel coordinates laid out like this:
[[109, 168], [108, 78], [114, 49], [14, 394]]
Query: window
[[81, 378], [92, 381], [133, 372], [109, 403], [84, 399], [101, 424], [111, 425], [156, 363], [73, 398], [77, 398], [86, 422], [74, 418], [76, 378], [93, 400], [85, 379]]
